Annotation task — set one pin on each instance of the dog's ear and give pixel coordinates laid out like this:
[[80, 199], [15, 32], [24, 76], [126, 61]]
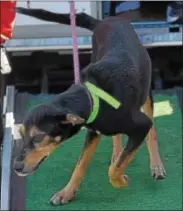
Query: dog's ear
[[73, 119], [22, 130], [64, 115]]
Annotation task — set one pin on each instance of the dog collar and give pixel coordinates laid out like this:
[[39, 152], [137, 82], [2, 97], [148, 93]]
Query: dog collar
[[97, 93]]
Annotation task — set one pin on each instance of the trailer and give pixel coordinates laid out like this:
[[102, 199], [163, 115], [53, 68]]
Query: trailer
[[41, 58]]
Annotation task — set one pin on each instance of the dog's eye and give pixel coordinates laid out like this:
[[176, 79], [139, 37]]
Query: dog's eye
[[37, 139], [56, 131]]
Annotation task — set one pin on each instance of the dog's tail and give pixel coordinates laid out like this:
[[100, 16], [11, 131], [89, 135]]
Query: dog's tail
[[82, 19]]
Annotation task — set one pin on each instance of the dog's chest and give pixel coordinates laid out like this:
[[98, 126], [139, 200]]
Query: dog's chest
[[110, 122]]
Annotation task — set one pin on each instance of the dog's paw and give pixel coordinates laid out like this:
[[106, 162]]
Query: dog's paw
[[158, 171], [119, 182], [63, 197], [116, 178]]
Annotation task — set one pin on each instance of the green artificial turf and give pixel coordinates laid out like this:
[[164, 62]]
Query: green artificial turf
[[96, 193]]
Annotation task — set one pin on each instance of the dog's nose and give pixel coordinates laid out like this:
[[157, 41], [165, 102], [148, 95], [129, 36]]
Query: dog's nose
[[18, 166]]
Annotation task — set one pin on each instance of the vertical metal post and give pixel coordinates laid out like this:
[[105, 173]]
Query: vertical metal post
[[7, 149]]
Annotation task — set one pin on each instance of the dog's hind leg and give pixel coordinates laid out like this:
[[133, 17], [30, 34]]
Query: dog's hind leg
[[117, 142], [140, 125], [68, 193], [156, 165]]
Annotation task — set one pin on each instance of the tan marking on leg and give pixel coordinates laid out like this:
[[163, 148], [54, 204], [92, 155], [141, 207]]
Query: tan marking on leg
[[116, 174], [68, 193], [82, 163], [117, 142], [156, 165]]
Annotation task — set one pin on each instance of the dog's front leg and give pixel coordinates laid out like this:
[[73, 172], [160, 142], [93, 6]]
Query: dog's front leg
[[140, 124], [68, 193]]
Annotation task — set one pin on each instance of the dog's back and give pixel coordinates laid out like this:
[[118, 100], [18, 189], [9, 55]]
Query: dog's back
[[116, 33], [124, 66]]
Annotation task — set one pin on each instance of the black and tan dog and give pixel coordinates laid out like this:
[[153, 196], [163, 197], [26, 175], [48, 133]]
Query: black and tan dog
[[115, 85]]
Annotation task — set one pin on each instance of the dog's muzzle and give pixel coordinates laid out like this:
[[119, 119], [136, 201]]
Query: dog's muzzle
[[21, 170]]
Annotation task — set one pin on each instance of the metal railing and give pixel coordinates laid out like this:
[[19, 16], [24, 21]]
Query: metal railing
[[7, 149]]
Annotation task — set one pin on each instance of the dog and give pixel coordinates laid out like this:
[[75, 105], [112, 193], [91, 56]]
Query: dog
[[115, 86]]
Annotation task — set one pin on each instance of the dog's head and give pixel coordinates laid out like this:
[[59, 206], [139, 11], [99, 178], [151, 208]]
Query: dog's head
[[42, 131]]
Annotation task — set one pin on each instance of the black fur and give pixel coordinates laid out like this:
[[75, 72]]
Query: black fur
[[120, 65], [49, 117], [82, 19]]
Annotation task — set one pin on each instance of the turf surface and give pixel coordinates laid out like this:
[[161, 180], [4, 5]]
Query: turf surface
[[96, 193]]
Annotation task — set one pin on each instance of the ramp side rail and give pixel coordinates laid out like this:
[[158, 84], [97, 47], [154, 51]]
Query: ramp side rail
[[7, 148]]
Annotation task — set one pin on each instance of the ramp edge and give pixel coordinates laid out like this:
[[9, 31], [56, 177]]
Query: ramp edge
[[7, 149]]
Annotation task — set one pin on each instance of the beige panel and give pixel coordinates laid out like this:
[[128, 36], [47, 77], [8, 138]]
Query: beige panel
[[46, 31]]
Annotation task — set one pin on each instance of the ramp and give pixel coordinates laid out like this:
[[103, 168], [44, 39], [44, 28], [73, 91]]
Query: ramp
[[33, 192]]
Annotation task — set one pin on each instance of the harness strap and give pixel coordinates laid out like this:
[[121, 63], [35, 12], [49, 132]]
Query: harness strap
[[74, 42], [97, 93]]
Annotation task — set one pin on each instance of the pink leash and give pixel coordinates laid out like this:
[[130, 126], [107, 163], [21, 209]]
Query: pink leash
[[74, 42], [28, 4]]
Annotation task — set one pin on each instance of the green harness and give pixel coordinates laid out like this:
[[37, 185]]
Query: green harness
[[97, 93]]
